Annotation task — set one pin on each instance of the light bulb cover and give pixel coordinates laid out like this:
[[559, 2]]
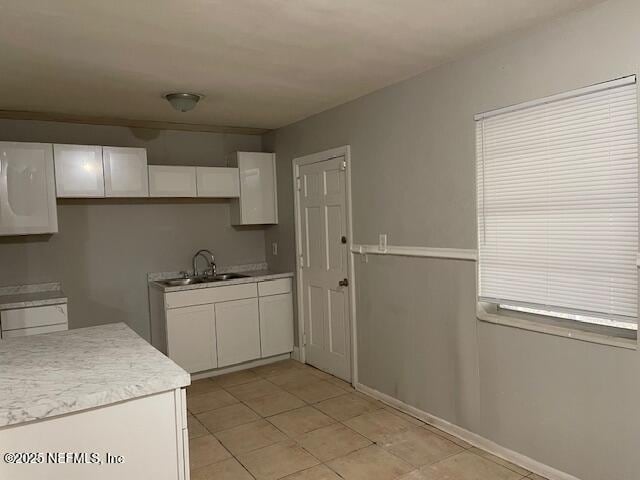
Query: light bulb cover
[[183, 102]]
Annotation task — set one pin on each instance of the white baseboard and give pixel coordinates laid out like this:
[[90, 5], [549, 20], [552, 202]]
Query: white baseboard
[[468, 436], [240, 366]]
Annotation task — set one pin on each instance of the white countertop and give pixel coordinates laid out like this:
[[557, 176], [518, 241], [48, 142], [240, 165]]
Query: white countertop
[[252, 277], [24, 296], [58, 373]]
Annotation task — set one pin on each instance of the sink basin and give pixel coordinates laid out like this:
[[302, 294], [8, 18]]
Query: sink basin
[[180, 282], [225, 276]]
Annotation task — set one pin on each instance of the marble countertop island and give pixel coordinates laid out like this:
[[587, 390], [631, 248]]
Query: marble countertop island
[[43, 376]]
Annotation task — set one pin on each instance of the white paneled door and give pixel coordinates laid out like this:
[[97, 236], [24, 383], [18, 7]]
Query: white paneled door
[[324, 259]]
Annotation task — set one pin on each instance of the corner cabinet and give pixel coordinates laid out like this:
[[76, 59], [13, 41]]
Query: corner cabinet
[[27, 189], [258, 202], [206, 328]]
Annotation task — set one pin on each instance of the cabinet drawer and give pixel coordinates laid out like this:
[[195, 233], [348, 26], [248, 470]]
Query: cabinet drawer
[[23, 332], [33, 317], [203, 296], [274, 287]]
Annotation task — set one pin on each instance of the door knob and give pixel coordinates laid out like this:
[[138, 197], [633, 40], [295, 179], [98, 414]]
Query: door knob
[[344, 283]]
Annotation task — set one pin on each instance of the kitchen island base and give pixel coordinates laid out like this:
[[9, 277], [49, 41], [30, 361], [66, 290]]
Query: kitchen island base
[[145, 437]]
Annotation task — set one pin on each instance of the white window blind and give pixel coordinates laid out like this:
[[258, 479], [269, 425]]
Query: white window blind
[[558, 203]]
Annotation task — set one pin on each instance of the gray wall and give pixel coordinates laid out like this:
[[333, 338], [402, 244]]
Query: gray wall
[[566, 403], [105, 248]]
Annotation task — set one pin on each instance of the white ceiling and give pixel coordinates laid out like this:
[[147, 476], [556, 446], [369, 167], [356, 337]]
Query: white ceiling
[[261, 63]]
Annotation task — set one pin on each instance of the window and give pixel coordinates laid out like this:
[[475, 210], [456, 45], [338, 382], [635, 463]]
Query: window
[[558, 205]]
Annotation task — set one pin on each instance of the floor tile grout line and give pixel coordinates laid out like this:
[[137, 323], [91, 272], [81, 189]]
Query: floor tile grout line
[[295, 439]]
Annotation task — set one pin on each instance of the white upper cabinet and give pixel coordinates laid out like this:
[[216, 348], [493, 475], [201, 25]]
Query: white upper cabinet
[[218, 182], [27, 189], [165, 181], [125, 172], [258, 202], [79, 170]]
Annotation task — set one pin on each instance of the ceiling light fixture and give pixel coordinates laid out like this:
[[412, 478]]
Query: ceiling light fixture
[[183, 102]]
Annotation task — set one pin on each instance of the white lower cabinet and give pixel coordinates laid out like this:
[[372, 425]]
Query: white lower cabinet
[[238, 331], [23, 322], [276, 324], [206, 328], [191, 337]]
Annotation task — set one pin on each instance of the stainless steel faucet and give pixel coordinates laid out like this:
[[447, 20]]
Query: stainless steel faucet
[[211, 261]]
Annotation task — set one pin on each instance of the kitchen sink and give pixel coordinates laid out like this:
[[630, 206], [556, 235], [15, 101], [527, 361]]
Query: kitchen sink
[[225, 276], [180, 282]]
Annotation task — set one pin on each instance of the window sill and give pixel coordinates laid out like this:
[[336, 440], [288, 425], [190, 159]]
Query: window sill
[[551, 326]]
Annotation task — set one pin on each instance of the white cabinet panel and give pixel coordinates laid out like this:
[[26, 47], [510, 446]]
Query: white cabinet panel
[[144, 431], [191, 337], [24, 332], [199, 296], [238, 331], [258, 202], [170, 181], [276, 324], [274, 287], [218, 182], [79, 171], [27, 189], [33, 317], [125, 172]]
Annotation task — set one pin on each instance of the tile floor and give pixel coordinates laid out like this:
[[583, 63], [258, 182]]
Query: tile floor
[[288, 420]]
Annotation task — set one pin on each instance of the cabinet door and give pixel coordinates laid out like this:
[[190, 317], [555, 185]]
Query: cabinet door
[[258, 196], [79, 170], [238, 331], [27, 189], [276, 324], [191, 337], [218, 182], [165, 181], [125, 172]]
